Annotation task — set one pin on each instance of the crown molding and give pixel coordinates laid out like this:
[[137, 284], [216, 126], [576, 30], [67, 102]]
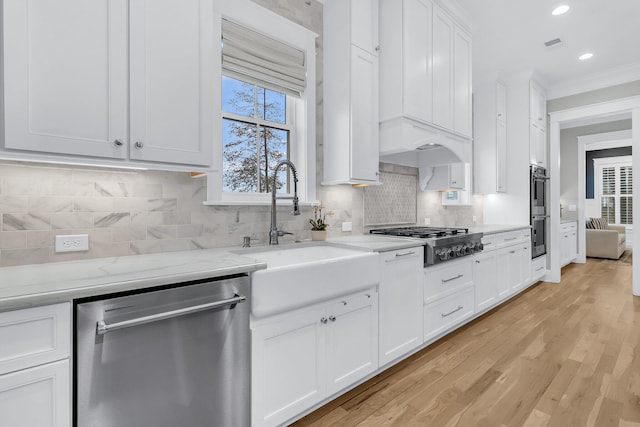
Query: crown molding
[[611, 77]]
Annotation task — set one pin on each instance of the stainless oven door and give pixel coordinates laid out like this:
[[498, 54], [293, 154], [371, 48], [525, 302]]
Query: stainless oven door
[[538, 236], [166, 358]]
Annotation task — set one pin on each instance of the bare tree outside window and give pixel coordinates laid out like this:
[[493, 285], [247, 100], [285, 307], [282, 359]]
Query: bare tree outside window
[[255, 137]]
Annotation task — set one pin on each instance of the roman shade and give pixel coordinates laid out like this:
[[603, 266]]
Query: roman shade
[[250, 56]]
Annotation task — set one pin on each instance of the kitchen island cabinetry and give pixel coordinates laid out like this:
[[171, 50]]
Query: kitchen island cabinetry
[[351, 92], [34, 369], [400, 294], [114, 95], [303, 357]]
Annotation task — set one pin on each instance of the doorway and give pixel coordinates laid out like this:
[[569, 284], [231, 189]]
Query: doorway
[[627, 108]]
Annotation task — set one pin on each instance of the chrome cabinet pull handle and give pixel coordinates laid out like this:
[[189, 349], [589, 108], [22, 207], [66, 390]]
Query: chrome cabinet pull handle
[[451, 312], [539, 268], [452, 278], [406, 254], [102, 327], [510, 239], [118, 143], [139, 145]]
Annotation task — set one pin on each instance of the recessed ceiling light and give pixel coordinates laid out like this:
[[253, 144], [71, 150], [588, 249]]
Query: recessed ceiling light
[[560, 10], [585, 56]]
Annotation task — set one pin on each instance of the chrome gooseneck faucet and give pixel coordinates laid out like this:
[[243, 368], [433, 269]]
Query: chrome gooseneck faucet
[[274, 233]]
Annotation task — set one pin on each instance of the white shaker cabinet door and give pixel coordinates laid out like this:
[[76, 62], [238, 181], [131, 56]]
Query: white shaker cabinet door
[[401, 296], [288, 366], [352, 340], [485, 276], [364, 116], [36, 397], [65, 76], [443, 78], [172, 88], [462, 83]]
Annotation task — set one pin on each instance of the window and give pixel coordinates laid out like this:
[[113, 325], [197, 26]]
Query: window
[[614, 189], [256, 135], [266, 107]]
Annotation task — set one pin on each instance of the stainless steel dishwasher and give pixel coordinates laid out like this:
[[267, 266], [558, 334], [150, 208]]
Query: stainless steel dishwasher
[[172, 356]]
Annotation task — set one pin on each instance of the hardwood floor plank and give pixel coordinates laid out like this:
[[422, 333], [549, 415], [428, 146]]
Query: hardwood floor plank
[[556, 355]]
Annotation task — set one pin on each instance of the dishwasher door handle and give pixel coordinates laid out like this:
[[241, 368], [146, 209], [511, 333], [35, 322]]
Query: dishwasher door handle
[[102, 327]]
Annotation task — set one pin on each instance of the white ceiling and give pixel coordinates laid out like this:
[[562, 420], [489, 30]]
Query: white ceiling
[[509, 36]]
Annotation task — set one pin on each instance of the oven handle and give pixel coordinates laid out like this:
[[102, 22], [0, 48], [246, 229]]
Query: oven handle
[[102, 327]]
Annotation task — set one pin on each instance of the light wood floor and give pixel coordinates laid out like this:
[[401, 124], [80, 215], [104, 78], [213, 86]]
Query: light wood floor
[[557, 355]]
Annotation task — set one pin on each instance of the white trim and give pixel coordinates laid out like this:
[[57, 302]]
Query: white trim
[[612, 77], [597, 141], [567, 119], [600, 141]]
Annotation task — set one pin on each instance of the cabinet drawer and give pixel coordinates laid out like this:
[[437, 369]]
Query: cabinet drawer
[[34, 336], [443, 314], [538, 267], [441, 281], [568, 226]]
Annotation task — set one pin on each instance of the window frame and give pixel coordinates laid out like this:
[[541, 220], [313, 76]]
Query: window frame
[[289, 126], [608, 162], [302, 110]]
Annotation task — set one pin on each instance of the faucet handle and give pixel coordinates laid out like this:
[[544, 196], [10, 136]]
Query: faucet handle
[[282, 233], [246, 241]]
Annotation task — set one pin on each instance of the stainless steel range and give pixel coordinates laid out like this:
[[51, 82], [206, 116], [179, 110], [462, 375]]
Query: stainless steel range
[[442, 244]]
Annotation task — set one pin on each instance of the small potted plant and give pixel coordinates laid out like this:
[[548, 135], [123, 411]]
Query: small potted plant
[[318, 223]]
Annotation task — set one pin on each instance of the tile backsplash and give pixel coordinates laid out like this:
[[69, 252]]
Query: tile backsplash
[[124, 212]]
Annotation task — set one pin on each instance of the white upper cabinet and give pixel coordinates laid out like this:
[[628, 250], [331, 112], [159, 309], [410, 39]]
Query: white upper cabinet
[[70, 79], [425, 75], [537, 125], [443, 71], [490, 138], [172, 109], [351, 92], [65, 77], [364, 25]]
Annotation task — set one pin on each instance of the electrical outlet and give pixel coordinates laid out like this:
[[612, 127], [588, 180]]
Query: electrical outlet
[[347, 226], [72, 243], [427, 221]]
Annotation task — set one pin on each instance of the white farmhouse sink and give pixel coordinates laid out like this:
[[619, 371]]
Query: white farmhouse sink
[[301, 275]]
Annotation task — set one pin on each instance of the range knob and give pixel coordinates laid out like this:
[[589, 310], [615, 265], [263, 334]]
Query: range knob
[[461, 250], [479, 246], [443, 255]]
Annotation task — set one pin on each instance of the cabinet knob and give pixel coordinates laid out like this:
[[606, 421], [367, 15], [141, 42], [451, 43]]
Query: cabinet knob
[[377, 48], [332, 318], [118, 143], [139, 145], [343, 302], [323, 320]]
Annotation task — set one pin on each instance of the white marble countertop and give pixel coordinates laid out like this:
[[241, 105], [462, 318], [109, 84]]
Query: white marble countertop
[[377, 243], [39, 284], [487, 229]]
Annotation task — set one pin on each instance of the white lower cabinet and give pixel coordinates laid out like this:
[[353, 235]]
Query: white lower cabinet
[[34, 369], [445, 313], [538, 268], [303, 357], [503, 268], [449, 296], [400, 303], [485, 276], [36, 397], [568, 242]]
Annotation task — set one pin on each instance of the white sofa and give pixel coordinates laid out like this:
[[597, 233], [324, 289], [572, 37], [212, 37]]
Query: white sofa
[[609, 243]]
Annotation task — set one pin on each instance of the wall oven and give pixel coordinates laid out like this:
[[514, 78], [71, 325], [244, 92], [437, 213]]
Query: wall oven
[[538, 211]]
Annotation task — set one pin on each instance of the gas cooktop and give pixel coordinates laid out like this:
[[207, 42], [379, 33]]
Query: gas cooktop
[[442, 243], [421, 232]]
